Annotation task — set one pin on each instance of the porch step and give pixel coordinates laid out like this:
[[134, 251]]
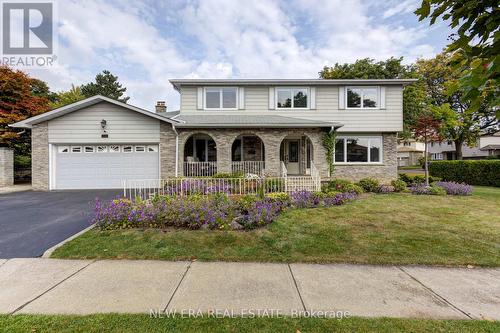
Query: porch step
[[300, 183]]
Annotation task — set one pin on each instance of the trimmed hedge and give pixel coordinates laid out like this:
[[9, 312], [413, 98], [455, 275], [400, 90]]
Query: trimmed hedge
[[482, 172]]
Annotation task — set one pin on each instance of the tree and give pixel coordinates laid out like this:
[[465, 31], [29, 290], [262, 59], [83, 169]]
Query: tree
[[106, 84], [18, 101], [41, 89], [475, 47], [460, 122], [392, 68], [427, 129], [63, 98]]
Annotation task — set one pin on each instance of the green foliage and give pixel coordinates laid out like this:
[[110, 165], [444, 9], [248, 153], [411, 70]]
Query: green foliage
[[22, 161], [436, 190], [328, 141], [228, 175], [106, 84], [399, 185], [63, 98], [475, 45], [416, 179], [342, 185], [481, 172], [369, 184]]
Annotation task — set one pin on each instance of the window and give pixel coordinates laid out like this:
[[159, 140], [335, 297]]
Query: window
[[152, 149], [140, 149], [114, 149], [358, 150], [63, 149], [292, 98], [362, 97], [437, 156], [127, 149], [76, 149], [407, 144], [88, 149], [221, 98], [102, 149]]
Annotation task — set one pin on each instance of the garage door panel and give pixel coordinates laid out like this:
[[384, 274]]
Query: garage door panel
[[98, 170]]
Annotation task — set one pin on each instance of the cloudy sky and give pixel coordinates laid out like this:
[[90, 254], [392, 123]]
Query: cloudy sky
[[146, 43]]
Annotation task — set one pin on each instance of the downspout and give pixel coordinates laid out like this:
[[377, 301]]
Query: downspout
[[176, 151]]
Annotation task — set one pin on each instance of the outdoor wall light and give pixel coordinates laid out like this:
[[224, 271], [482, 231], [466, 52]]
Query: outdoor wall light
[[103, 125]]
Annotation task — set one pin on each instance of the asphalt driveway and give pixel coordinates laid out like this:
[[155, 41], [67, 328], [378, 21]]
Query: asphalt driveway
[[31, 222]]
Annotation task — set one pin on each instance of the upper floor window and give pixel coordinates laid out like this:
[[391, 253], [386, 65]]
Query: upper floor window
[[221, 98], [292, 98], [362, 97]]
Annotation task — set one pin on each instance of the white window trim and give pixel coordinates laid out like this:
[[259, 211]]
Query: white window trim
[[220, 99], [140, 151], [61, 148], [114, 151], [377, 88], [276, 89], [381, 154], [128, 152]]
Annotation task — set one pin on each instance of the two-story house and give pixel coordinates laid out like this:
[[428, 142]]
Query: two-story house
[[258, 126], [487, 145]]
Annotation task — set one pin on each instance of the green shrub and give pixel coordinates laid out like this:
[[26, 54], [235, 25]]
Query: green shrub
[[342, 185], [481, 172], [369, 184], [228, 175], [399, 185], [436, 190], [22, 161], [417, 179]]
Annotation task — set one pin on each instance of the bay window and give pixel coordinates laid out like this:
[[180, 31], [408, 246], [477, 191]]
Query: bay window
[[292, 98], [221, 98], [358, 150], [362, 97]]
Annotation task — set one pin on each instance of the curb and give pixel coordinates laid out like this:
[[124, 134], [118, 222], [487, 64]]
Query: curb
[[49, 251]]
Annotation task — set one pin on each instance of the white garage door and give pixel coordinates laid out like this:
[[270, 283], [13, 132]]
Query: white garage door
[[103, 166]]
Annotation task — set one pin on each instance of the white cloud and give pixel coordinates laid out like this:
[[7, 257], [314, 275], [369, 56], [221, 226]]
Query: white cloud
[[142, 42]]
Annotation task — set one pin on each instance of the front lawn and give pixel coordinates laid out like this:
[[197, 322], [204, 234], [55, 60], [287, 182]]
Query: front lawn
[[143, 323], [376, 229]]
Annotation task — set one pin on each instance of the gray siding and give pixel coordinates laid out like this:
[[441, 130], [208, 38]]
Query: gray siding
[[83, 126], [389, 119]]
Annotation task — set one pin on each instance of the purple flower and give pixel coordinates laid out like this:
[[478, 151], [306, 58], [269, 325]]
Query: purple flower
[[453, 188]]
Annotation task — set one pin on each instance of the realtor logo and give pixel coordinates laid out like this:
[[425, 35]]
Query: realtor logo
[[27, 29]]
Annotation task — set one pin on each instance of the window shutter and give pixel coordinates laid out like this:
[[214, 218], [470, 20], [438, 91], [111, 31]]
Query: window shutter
[[271, 98], [382, 97], [312, 103], [200, 98], [341, 97], [241, 98]]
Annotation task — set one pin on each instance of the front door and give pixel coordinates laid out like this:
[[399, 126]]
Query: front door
[[292, 157]]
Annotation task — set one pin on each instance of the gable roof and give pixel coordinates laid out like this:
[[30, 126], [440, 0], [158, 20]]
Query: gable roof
[[177, 83], [249, 121], [27, 123]]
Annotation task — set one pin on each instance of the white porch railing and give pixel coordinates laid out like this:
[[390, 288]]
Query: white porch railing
[[146, 188], [199, 169], [254, 167]]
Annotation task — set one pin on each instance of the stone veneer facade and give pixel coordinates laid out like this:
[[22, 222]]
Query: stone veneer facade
[[384, 172], [271, 138], [40, 157]]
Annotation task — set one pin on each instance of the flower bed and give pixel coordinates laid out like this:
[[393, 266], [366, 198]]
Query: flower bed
[[216, 211]]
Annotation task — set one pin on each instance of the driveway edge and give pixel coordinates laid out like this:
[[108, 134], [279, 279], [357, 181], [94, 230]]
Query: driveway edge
[[49, 251]]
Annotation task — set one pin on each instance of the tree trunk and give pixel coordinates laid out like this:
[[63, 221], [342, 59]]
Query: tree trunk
[[426, 165], [458, 149]]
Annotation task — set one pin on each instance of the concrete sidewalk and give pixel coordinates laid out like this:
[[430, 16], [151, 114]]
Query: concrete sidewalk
[[83, 287]]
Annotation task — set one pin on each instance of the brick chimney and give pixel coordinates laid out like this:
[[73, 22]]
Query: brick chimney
[[161, 107]]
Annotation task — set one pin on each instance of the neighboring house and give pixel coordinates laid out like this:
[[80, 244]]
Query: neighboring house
[[409, 151], [269, 127], [487, 145]]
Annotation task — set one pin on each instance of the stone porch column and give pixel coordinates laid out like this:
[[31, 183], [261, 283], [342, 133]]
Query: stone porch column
[[272, 142], [6, 166]]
